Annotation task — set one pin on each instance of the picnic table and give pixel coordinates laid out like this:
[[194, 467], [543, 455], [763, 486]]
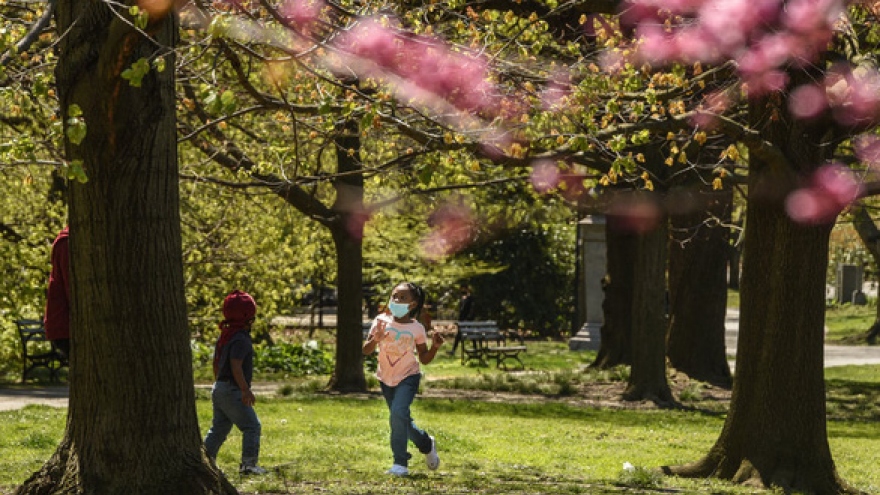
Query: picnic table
[[483, 340]]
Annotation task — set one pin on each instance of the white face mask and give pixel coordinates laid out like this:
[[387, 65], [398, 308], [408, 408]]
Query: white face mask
[[399, 310]]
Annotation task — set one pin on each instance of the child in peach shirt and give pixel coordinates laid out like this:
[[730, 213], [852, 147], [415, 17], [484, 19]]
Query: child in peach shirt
[[399, 336]]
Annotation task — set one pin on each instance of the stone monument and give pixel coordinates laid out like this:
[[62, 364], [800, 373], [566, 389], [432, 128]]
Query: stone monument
[[592, 253]]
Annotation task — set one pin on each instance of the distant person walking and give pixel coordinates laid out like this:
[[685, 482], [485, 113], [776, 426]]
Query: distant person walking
[[231, 397], [57, 318], [398, 336], [465, 312]]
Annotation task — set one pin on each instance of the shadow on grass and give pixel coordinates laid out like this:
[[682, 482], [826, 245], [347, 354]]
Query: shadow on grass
[[856, 401]]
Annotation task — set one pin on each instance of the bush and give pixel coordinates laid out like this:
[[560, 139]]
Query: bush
[[291, 359], [294, 359]]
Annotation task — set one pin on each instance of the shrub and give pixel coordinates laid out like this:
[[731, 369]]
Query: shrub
[[291, 359], [294, 359]]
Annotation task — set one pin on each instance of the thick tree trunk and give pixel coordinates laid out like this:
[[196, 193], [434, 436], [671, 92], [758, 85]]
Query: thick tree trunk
[[347, 230], [698, 290], [775, 433], [615, 348], [132, 424], [647, 379]]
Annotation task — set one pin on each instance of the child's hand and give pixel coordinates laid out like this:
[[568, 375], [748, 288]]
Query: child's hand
[[380, 332], [437, 339]]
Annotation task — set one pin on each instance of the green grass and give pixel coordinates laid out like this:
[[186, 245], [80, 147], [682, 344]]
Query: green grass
[[319, 443], [848, 324], [733, 298]]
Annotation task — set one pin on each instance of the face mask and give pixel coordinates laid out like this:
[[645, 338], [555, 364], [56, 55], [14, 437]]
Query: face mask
[[399, 310]]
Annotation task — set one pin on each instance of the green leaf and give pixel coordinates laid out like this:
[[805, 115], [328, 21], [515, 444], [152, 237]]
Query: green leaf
[[159, 64], [229, 102], [74, 110], [76, 125], [135, 74]]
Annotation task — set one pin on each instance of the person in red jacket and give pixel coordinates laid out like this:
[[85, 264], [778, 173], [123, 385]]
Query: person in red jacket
[[57, 319]]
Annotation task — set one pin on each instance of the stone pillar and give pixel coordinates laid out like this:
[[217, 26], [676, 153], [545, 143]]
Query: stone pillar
[[592, 252]]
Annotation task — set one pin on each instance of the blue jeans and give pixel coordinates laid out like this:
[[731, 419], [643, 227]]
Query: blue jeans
[[228, 411], [403, 429]]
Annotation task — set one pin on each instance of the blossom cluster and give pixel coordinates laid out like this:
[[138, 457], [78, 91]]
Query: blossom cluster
[[767, 39], [421, 68], [763, 36]]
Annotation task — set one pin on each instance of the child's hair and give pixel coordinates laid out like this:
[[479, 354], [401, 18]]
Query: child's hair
[[419, 293]]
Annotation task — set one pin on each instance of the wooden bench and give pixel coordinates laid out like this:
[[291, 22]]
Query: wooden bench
[[482, 340], [37, 351]]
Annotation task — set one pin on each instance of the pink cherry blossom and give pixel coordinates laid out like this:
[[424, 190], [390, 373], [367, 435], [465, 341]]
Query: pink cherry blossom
[[855, 98], [573, 188], [374, 42], [807, 101], [837, 182], [452, 228], [806, 206], [635, 215], [420, 68], [545, 176], [764, 37], [302, 15], [867, 149], [831, 189], [552, 97]]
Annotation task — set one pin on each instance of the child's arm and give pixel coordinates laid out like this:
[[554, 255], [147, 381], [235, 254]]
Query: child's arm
[[427, 355], [247, 397], [374, 338]]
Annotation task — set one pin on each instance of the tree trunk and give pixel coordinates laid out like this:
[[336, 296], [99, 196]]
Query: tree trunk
[[132, 424], [734, 258], [615, 348], [348, 375], [647, 379], [775, 433], [698, 290], [347, 230]]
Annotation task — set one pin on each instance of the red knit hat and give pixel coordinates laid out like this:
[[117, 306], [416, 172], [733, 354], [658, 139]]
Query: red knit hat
[[239, 307]]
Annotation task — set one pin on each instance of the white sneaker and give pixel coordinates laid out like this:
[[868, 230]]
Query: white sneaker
[[245, 470], [431, 458], [398, 470]]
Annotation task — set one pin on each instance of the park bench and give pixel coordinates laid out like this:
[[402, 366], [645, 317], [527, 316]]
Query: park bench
[[37, 351], [483, 340]]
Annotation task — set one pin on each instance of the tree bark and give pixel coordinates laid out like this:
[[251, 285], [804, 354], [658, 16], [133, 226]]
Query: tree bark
[[647, 379], [132, 424], [347, 230], [698, 290], [615, 348], [775, 433]]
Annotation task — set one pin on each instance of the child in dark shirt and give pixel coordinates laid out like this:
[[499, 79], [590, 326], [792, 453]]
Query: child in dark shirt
[[231, 397]]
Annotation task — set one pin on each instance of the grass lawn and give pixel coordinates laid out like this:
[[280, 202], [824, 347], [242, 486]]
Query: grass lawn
[[501, 443], [557, 427], [848, 324]]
